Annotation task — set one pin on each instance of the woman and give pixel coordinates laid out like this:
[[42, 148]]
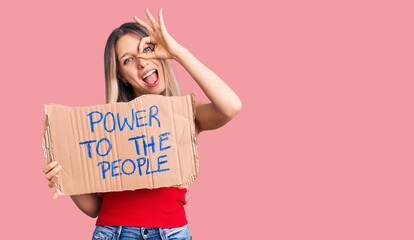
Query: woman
[[137, 62]]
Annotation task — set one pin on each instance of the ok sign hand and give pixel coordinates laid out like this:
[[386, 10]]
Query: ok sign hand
[[165, 46]]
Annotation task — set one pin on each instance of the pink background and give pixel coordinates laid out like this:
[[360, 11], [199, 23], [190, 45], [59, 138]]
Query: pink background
[[322, 149]]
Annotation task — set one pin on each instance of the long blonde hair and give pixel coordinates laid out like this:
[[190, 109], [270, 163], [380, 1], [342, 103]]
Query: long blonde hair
[[116, 90]]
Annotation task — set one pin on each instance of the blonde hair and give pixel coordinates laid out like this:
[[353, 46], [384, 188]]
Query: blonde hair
[[116, 90]]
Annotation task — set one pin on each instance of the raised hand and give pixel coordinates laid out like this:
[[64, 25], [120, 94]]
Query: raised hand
[[164, 46]]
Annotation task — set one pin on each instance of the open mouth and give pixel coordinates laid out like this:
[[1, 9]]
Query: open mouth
[[151, 78]]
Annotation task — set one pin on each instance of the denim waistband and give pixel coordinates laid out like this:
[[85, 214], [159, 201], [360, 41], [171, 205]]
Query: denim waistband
[[114, 232]]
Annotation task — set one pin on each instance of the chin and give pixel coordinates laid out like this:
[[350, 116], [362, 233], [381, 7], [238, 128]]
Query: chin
[[158, 90]]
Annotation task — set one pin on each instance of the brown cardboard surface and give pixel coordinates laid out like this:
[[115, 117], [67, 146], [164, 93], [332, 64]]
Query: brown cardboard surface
[[100, 152]]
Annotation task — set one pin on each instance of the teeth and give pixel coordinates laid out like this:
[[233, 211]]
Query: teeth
[[149, 73]]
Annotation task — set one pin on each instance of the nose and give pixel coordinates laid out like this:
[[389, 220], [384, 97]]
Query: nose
[[142, 62]]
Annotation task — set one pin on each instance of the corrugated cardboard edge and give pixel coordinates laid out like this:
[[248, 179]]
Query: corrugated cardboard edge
[[194, 146], [47, 147], [48, 150]]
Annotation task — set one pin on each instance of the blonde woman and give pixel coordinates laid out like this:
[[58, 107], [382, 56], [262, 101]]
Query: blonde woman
[[137, 62]]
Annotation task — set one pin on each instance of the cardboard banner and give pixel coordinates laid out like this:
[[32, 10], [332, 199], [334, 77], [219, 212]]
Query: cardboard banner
[[149, 142]]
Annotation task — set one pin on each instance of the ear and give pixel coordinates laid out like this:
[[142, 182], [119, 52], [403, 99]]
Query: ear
[[119, 76]]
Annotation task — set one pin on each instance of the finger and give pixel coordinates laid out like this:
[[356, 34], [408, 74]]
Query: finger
[[144, 41], [146, 55], [151, 18], [49, 166], [53, 181], [53, 172], [144, 25], [161, 19], [55, 195]]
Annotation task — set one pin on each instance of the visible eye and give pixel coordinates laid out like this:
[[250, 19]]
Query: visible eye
[[148, 48], [127, 60]]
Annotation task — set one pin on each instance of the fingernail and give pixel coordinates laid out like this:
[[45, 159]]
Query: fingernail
[[55, 195]]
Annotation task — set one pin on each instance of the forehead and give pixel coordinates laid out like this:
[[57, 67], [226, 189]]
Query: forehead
[[127, 43]]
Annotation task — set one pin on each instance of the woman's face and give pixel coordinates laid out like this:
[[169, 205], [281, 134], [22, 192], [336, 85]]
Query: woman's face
[[146, 76]]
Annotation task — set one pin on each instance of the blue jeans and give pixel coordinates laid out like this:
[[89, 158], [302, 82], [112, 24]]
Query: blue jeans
[[130, 233]]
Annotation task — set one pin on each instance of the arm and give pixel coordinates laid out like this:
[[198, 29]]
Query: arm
[[224, 105], [90, 204]]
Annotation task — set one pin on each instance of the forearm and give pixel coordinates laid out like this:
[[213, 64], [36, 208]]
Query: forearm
[[90, 204], [220, 94]]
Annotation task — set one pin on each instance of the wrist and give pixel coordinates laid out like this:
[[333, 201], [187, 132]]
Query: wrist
[[180, 54]]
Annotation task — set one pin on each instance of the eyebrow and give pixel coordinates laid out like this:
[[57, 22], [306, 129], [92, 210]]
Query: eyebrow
[[125, 55]]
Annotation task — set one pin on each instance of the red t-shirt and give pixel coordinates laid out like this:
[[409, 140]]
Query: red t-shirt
[[158, 208]]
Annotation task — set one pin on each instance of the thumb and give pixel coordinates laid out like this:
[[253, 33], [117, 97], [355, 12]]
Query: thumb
[[55, 195], [146, 55]]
